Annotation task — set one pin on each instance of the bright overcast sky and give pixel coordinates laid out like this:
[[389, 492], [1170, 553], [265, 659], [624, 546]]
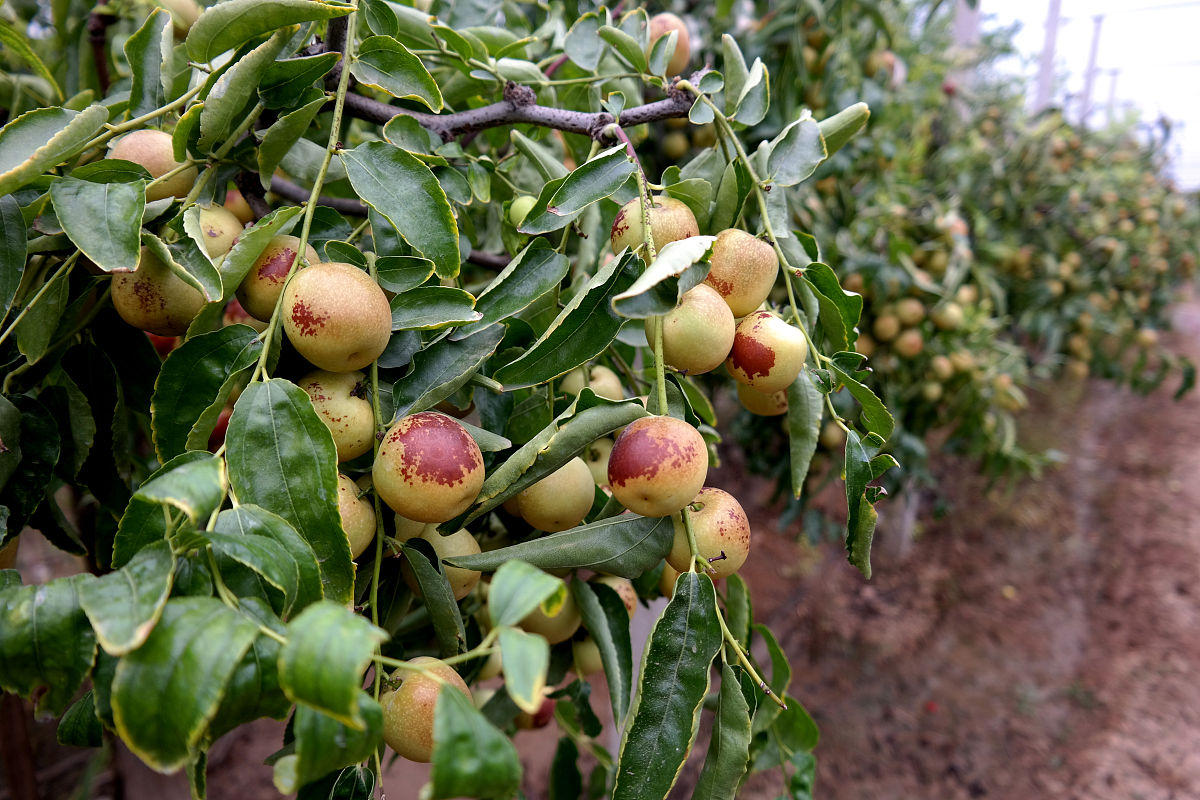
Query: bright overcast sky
[[1151, 43]]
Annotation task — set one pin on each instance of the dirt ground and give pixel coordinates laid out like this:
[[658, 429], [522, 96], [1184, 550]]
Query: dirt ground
[[1037, 641]]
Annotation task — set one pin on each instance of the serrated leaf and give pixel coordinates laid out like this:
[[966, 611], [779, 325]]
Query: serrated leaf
[[281, 457], [266, 558], [42, 138], [439, 599], [874, 413], [253, 689], [607, 620], [104, 220], [432, 307], [125, 605], [165, 692], [14, 40], [249, 520], [227, 100], [250, 244], [627, 545], [680, 266], [551, 168], [280, 137], [671, 689], [841, 127], [796, 152], [516, 590], [729, 748], [625, 46], [442, 368], [388, 179], [196, 487], [45, 642], [187, 264], [323, 744], [526, 658], [805, 408], [535, 271], [328, 649], [234, 22], [384, 63], [587, 184], [471, 758], [13, 250], [287, 79], [147, 51], [144, 521], [755, 96], [79, 726], [580, 332], [582, 44]]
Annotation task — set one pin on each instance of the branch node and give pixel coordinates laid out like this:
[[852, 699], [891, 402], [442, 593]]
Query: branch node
[[519, 94]]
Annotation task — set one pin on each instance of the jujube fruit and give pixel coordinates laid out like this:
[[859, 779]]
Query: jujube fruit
[[153, 150], [154, 298], [743, 269], [339, 401], [219, 229], [722, 534], [428, 468], [657, 465], [260, 289], [697, 333], [556, 628], [670, 221], [459, 543], [661, 25], [599, 378], [767, 353], [560, 500], [358, 516], [336, 316], [408, 711]]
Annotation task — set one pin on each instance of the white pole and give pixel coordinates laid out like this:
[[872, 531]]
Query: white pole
[[1089, 78], [1045, 80]]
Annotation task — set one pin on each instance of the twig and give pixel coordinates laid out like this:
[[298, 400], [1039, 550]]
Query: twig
[[247, 183], [298, 194], [97, 28], [489, 260]]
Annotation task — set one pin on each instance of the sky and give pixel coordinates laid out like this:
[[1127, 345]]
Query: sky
[[1150, 43]]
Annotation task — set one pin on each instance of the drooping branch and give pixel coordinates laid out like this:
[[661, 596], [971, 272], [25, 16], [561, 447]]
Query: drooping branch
[[519, 107]]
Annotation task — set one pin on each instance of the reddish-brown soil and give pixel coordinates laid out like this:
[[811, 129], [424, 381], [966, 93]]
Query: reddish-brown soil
[[1037, 641]]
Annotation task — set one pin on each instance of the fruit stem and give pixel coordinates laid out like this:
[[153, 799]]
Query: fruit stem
[[137, 122], [691, 536], [221, 152], [62, 270]]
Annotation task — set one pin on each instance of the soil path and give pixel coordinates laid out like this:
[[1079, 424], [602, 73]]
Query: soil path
[[1037, 642]]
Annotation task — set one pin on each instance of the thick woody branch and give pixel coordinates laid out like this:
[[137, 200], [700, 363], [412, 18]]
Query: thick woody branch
[[518, 108]]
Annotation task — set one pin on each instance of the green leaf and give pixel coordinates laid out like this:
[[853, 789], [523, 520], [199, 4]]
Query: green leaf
[[234, 22], [328, 649], [79, 726], [550, 167], [607, 620], [13, 251], [439, 599], [42, 317], [144, 521], [266, 558], [796, 152], [388, 179], [42, 138], [860, 527], [184, 259], [627, 545], [731, 196], [582, 44], [383, 63], [566, 781], [661, 52], [148, 50], [580, 332], [431, 307], [471, 758], [252, 521], [535, 271], [516, 590], [838, 129], [286, 79], [680, 265], [226, 103], [195, 487], [729, 748], [324, 744], [280, 137], [15, 41], [250, 244], [401, 273], [587, 184], [125, 605], [805, 407], [792, 731], [738, 609], [755, 96], [733, 67], [253, 690], [45, 642], [627, 47], [582, 423], [674, 680], [441, 369], [281, 457], [836, 303], [104, 220], [874, 413], [526, 658], [165, 693]]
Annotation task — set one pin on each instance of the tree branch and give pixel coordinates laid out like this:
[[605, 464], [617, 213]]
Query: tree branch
[[298, 194], [519, 108]]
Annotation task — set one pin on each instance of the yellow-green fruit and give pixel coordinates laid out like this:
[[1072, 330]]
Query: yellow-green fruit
[[557, 628], [1146, 337], [260, 289], [666, 581], [661, 25], [596, 457], [184, 14], [670, 221], [941, 367], [154, 298], [219, 228], [560, 500], [459, 543], [675, 145], [358, 516], [743, 269], [623, 587], [153, 150], [931, 391], [1077, 369], [910, 311], [657, 466], [519, 209], [948, 316], [490, 669], [721, 530], [767, 353], [236, 203], [410, 528], [339, 400], [697, 333], [832, 437], [428, 468], [909, 343], [886, 327], [600, 379], [336, 316], [762, 403], [408, 711], [586, 657]]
